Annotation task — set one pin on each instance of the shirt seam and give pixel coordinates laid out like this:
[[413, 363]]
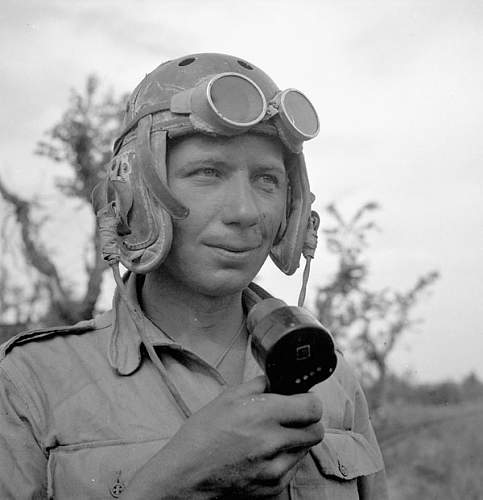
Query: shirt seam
[[72, 447], [38, 440]]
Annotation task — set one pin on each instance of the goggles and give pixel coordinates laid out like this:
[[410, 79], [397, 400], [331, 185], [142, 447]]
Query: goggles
[[231, 103]]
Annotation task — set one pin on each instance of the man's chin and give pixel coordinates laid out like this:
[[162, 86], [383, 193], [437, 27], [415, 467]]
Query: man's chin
[[220, 286]]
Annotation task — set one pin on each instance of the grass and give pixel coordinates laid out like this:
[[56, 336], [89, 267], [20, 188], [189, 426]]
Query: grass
[[433, 453]]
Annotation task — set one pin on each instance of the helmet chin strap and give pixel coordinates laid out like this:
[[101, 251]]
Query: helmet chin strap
[[308, 251], [108, 221]]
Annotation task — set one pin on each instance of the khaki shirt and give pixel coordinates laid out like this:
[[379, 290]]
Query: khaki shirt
[[83, 407]]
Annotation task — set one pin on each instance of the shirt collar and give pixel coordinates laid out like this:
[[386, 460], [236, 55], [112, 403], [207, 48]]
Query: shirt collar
[[124, 350], [125, 343]]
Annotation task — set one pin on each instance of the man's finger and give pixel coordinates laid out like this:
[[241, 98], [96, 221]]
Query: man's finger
[[300, 410]]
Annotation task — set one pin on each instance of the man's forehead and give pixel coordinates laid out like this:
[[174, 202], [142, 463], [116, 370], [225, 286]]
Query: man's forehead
[[262, 150]]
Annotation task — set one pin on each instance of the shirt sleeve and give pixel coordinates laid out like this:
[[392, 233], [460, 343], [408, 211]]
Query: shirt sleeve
[[23, 464], [374, 486]]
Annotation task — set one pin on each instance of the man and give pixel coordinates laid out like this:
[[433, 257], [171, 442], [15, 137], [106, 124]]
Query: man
[[161, 398]]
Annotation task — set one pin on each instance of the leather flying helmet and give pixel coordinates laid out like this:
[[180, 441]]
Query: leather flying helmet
[[211, 94]]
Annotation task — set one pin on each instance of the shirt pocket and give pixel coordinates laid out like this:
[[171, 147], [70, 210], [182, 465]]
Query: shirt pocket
[[96, 470], [331, 469]]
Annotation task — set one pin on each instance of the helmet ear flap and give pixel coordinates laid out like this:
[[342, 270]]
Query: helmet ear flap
[[287, 249], [144, 228], [150, 228], [115, 190]]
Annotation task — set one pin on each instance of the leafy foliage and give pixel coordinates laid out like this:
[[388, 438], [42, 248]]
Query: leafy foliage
[[83, 138], [401, 390], [367, 322], [81, 141]]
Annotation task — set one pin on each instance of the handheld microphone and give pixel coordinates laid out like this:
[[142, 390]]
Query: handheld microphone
[[291, 346]]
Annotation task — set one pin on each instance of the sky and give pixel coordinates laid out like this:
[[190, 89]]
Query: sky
[[397, 85]]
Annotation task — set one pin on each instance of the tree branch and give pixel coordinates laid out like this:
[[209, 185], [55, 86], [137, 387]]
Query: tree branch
[[95, 275], [35, 254]]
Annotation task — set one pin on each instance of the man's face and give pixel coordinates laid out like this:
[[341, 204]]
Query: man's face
[[236, 190]]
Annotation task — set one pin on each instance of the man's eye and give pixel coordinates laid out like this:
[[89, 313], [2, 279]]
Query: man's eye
[[206, 172], [269, 180]]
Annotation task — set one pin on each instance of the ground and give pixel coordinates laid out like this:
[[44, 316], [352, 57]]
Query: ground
[[433, 452]]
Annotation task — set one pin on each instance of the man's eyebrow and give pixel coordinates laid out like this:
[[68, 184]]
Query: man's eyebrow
[[199, 162], [217, 162], [278, 167]]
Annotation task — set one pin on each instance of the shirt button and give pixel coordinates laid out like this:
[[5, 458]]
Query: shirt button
[[118, 487]]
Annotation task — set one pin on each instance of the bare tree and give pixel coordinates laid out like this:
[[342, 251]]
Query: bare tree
[[22, 290], [81, 140], [368, 323]]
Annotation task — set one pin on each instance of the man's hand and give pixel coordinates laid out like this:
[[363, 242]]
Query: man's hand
[[245, 443]]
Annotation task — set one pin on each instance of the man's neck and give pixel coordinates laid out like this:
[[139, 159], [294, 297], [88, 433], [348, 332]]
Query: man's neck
[[204, 324]]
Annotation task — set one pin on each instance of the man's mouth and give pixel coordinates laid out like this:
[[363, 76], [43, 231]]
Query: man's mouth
[[235, 248], [234, 245]]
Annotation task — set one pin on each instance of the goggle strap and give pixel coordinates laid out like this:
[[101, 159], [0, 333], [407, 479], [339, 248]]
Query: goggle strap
[[147, 162], [292, 146]]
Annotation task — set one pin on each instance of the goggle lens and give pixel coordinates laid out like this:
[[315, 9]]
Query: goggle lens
[[300, 113], [237, 100]]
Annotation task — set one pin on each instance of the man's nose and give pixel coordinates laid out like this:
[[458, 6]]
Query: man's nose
[[240, 205]]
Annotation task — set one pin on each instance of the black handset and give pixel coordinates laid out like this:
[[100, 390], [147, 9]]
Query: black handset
[[290, 345]]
